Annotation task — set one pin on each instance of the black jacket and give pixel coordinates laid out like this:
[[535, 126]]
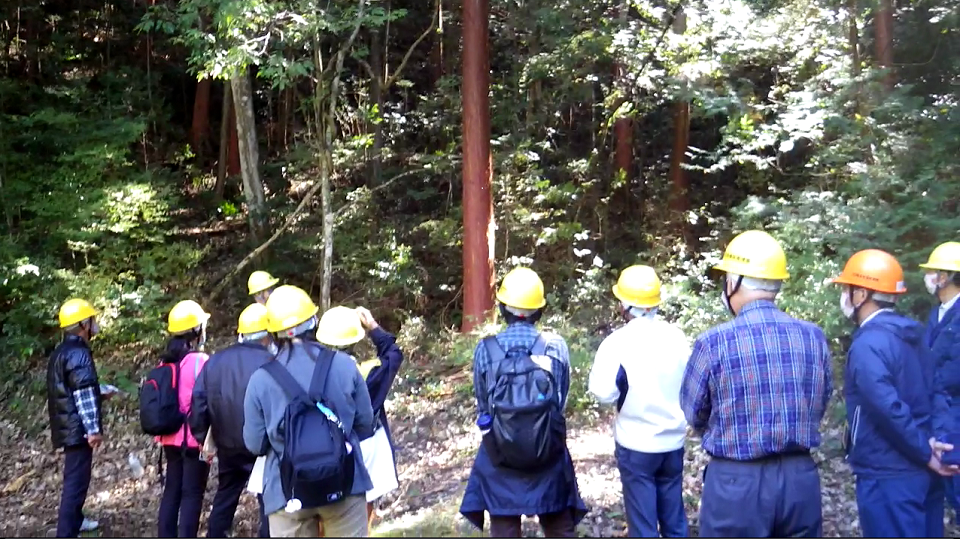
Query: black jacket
[[70, 368], [217, 402]]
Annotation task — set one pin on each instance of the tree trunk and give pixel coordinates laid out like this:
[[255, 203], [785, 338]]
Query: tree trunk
[[376, 94], [679, 199], [436, 52], [226, 121], [623, 135], [201, 117], [478, 224], [249, 154], [233, 143], [884, 42]]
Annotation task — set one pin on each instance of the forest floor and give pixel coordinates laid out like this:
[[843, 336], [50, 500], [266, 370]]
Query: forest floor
[[432, 421]]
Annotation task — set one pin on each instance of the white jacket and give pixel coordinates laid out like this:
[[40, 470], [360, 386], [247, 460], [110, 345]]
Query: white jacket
[[654, 355]]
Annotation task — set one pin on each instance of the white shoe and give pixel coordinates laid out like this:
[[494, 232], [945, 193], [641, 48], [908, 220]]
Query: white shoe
[[88, 525]]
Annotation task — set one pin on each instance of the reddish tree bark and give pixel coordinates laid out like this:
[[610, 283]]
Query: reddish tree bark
[[478, 226], [233, 143], [884, 41], [200, 126], [679, 200], [623, 134]]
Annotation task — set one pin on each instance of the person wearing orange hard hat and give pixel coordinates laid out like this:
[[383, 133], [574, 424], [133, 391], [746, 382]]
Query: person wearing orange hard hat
[[892, 415], [942, 337]]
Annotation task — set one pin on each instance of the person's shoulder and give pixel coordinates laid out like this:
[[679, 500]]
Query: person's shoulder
[[554, 341]]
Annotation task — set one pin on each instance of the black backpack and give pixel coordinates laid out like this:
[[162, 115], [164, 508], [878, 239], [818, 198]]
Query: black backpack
[[315, 467], [527, 432], [160, 401]]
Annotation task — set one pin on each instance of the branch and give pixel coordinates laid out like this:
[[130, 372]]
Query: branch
[[228, 276], [406, 57], [338, 57], [666, 27]]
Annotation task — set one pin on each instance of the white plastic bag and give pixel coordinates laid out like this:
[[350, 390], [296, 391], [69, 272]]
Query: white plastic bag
[[378, 459], [255, 485]]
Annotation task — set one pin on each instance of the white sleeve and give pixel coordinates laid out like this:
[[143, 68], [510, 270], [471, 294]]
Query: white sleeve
[[603, 375]]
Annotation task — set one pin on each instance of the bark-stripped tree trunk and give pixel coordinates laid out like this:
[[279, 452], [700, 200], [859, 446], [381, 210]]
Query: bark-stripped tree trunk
[[679, 197], [884, 42], [249, 154], [200, 125], [478, 224], [436, 52]]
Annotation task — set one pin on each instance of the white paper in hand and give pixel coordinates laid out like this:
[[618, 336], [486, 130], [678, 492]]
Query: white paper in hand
[[378, 459], [255, 485]]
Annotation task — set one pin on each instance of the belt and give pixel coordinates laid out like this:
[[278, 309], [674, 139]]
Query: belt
[[799, 452]]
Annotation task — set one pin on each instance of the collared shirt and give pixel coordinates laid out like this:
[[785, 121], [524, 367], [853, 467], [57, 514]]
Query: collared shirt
[[86, 401], [945, 307], [652, 354], [522, 334], [874, 315], [758, 385]]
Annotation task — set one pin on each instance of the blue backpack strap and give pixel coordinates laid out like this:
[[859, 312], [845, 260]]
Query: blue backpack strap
[[539, 347], [286, 380], [321, 372]]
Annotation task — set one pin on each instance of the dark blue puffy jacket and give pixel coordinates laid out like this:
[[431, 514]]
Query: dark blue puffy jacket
[[943, 339], [892, 406]]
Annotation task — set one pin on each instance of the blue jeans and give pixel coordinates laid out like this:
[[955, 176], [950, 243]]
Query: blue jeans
[[653, 492]]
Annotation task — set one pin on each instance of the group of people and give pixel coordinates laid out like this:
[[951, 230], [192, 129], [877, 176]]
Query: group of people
[[238, 406], [755, 389]]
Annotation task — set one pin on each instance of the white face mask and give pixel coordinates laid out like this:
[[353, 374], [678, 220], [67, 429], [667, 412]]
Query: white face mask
[[930, 281], [94, 327], [845, 305], [723, 297], [273, 348]]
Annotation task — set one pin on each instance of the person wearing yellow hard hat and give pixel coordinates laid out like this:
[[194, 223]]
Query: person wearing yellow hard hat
[[341, 328], [521, 380], [217, 411], [894, 415], [74, 401], [260, 285], [315, 387], [640, 367], [942, 335], [181, 363], [756, 389]]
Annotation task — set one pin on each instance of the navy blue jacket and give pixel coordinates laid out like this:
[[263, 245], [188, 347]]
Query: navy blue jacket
[[217, 401], [889, 389], [380, 377], [943, 339]]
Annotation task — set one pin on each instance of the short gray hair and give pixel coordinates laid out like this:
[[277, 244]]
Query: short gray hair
[[248, 337], [888, 298], [639, 312], [754, 283]]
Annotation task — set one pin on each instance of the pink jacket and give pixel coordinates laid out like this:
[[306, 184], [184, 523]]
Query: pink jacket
[[190, 367]]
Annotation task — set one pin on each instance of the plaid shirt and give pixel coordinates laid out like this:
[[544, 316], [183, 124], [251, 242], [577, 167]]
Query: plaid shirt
[[86, 401], [758, 385], [522, 334]]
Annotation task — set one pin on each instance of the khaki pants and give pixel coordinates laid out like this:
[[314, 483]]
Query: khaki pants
[[342, 519]]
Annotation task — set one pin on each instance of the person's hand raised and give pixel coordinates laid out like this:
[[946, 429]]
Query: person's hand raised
[[367, 320]]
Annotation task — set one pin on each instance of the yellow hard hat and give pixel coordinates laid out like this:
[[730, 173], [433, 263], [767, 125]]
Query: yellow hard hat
[[946, 257], [185, 316], [260, 281], [253, 319], [522, 289], [756, 254], [74, 311], [340, 326], [288, 307], [638, 286]]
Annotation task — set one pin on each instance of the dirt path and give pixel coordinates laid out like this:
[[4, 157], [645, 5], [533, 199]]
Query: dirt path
[[436, 440]]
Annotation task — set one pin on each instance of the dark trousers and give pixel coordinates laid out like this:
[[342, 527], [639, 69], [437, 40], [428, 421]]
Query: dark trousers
[[777, 496], [653, 492], [183, 487], [77, 465], [553, 524], [901, 506], [234, 473]]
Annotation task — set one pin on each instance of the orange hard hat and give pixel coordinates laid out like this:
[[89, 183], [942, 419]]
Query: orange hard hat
[[875, 270]]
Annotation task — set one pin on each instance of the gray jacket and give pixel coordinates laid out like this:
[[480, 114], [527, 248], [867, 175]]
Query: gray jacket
[[265, 403]]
